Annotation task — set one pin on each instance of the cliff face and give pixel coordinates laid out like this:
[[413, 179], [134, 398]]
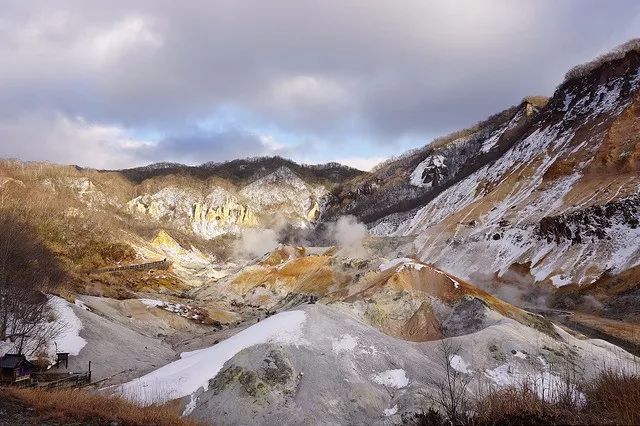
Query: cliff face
[[402, 185], [279, 197], [561, 200], [209, 216]]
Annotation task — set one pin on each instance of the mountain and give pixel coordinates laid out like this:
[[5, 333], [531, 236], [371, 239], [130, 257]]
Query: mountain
[[543, 195], [262, 291], [242, 171], [398, 186]]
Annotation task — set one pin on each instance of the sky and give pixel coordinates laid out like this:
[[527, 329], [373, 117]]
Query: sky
[[116, 84]]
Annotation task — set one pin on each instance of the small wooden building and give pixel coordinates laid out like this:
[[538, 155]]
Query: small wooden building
[[15, 368]]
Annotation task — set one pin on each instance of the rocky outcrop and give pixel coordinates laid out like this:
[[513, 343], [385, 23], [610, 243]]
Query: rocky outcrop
[[284, 195], [218, 213], [413, 179], [591, 222], [431, 172], [279, 197]]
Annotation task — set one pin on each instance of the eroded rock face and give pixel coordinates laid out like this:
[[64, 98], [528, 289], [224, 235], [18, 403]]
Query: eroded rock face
[[217, 213], [432, 171], [591, 222], [279, 195], [286, 194], [272, 382], [468, 316], [275, 375], [221, 213]]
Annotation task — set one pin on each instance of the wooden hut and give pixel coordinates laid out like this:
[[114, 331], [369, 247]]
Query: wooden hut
[[15, 368]]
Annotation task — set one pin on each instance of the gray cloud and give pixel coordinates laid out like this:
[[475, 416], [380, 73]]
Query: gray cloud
[[333, 71]]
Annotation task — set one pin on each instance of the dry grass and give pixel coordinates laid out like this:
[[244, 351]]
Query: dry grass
[[617, 53], [522, 405], [83, 407], [611, 398], [615, 396]]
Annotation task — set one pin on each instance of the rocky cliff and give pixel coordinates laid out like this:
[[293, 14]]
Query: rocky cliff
[[397, 187], [559, 204], [277, 198]]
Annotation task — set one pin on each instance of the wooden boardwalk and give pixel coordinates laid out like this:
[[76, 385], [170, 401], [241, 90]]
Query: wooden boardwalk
[[162, 264]]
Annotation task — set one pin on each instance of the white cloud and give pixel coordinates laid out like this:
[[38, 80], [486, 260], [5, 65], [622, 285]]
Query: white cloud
[[333, 72], [306, 91], [124, 37], [271, 144], [62, 139], [362, 163]]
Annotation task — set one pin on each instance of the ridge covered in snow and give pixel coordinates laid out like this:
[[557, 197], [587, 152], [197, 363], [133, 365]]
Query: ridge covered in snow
[[194, 369]]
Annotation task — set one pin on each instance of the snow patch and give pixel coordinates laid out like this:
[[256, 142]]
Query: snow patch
[[395, 262], [459, 364], [548, 386], [456, 284], [560, 280], [391, 411], [520, 355], [346, 343], [79, 303], [69, 339], [391, 378], [152, 303]]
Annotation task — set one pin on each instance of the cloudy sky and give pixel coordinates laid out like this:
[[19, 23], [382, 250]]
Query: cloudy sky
[[113, 84]]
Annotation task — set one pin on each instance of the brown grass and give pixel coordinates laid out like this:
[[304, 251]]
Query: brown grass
[[522, 405], [613, 397], [78, 406]]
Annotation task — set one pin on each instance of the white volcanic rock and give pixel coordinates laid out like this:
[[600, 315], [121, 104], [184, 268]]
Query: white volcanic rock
[[284, 193], [280, 195], [217, 213]]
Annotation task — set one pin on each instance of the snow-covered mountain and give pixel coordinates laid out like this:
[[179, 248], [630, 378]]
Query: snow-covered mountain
[[546, 193]]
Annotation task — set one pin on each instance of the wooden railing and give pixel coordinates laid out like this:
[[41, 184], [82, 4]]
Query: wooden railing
[[162, 264], [69, 380]]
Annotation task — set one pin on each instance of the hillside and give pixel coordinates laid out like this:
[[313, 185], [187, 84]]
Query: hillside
[[262, 291], [558, 207]]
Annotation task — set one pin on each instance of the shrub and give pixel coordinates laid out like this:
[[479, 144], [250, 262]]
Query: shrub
[[618, 52]]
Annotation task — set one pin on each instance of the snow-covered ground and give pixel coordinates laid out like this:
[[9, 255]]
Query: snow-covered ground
[[392, 378], [326, 359], [194, 369], [64, 327], [68, 340]]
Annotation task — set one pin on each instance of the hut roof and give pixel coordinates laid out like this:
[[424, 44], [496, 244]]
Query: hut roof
[[13, 361]]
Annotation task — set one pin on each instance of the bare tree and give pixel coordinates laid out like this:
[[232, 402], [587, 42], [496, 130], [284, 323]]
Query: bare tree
[[452, 393], [28, 269]]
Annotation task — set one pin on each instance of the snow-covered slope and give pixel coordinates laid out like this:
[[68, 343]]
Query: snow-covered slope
[[560, 205], [403, 184], [316, 362]]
